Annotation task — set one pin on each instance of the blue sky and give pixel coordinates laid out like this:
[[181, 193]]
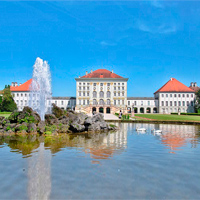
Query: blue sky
[[145, 41]]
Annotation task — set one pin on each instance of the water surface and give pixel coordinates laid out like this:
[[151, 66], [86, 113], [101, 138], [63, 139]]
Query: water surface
[[120, 165]]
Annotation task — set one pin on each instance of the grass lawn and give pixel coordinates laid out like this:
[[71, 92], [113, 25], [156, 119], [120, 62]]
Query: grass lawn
[[169, 117], [5, 114]]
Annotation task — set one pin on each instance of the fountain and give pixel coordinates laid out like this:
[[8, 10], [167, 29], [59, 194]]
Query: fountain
[[40, 90]]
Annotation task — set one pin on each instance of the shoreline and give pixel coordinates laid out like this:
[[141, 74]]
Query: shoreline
[[156, 122]]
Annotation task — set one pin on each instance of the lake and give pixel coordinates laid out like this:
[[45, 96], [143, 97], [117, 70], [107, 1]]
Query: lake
[[119, 165]]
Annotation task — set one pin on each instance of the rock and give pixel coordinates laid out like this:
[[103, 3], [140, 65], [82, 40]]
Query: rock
[[10, 132], [103, 125], [64, 120], [75, 127], [58, 112], [5, 122], [28, 110], [41, 127], [1, 118], [81, 118], [94, 127], [88, 121], [21, 127], [63, 128], [32, 128], [14, 117], [51, 119], [98, 117]]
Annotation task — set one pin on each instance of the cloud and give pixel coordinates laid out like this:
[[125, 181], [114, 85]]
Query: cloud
[[156, 29], [104, 43], [157, 4]]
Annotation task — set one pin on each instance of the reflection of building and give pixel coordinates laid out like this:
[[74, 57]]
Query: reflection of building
[[101, 91], [22, 95]]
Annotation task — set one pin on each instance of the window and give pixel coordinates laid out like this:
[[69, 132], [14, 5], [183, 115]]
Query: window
[[192, 103], [118, 102], [21, 95], [83, 102], [79, 83], [108, 101], [122, 83], [174, 95], [183, 95], [122, 102], [118, 88], [108, 94], [114, 88], [141, 103], [79, 88], [101, 102], [88, 94], [115, 94], [118, 94], [88, 102], [101, 84], [179, 95], [170, 95], [170, 103], [188, 103], [183, 103], [25, 95], [108, 84], [135, 103], [94, 102], [114, 83], [187, 95], [122, 93], [88, 88], [68, 102], [122, 88], [166, 95], [101, 94], [83, 88], [129, 103], [83, 93], [148, 103], [79, 94], [118, 83], [179, 103], [88, 83], [17, 101], [162, 103], [79, 102], [114, 102], [83, 83], [191, 95], [94, 94], [175, 103], [21, 102], [94, 84], [62, 103], [56, 102], [17, 94], [162, 95], [166, 103]]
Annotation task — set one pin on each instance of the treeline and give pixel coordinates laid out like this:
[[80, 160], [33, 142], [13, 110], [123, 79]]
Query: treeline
[[7, 103]]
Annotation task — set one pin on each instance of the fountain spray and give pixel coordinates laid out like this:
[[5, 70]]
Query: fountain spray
[[41, 95]]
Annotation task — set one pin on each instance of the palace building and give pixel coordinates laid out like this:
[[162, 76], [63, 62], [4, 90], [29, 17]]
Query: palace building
[[101, 91], [106, 92]]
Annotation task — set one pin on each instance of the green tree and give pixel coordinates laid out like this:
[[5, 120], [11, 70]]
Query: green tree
[[197, 106], [8, 104]]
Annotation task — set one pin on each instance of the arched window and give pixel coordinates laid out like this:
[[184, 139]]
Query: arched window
[[101, 94], [101, 102], [94, 102], [108, 94], [94, 94], [108, 101]]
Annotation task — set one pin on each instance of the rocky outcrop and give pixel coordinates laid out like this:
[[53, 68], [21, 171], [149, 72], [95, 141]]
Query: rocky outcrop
[[60, 121]]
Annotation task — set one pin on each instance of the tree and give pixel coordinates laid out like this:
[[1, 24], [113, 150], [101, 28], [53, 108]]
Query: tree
[[8, 104], [197, 106]]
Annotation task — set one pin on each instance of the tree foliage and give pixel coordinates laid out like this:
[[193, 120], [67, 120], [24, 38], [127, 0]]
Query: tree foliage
[[197, 106], [7, 104]]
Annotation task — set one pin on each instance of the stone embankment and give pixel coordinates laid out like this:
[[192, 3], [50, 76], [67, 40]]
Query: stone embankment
[[60, 121]]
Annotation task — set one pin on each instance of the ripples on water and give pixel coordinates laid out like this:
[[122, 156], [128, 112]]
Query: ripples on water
[[120, 165]]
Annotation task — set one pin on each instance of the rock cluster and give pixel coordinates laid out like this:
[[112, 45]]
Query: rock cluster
[[60, 121]]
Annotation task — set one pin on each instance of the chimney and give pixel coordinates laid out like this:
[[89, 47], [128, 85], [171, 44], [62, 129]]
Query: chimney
[[195, 84], [86, 73], [112, 70], [91, 71], [20, 84], [13, 84], [171, 79], [191, 84], [16, 84]]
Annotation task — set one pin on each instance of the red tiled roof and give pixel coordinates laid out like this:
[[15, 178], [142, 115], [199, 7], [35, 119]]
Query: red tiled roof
[[196, 89], [174, 85], [101, 73], [23, 87]]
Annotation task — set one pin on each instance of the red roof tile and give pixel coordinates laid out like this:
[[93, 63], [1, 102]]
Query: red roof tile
[[174, 85], [22, 88], [101, 73], [196, 89]]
